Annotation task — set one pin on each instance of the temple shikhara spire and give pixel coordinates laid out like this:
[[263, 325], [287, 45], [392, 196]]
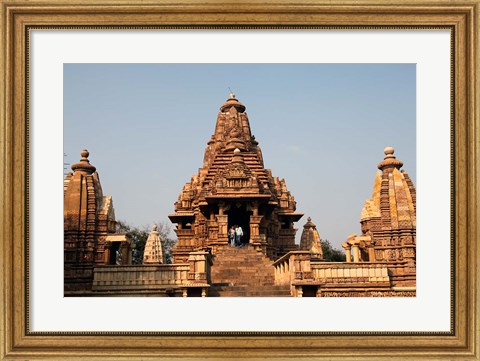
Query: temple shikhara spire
[[89, 226], [233, 188], [153, 252], [388, 222], [235, 232], [310, 240]]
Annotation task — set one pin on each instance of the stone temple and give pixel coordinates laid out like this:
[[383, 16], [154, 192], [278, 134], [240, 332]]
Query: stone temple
[[233, 189], [388, 222], [89, 227]]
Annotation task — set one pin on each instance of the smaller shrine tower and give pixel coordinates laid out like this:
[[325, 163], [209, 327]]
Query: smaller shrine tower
[[153, 252], [388, 223], [89, 227], [310, 240]]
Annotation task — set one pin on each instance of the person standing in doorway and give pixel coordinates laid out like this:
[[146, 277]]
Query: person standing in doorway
[[238, 236], [231, 236]]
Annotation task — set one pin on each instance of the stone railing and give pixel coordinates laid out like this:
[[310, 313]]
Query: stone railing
[[293, 265], [135, 277], [361, 272], [155, 278], [298, 270]]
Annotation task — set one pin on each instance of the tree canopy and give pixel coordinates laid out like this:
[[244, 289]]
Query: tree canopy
[[331, 254], [139, 237]]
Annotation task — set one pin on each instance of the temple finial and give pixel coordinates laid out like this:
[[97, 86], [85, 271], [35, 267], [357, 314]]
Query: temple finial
[[84, 164], [232, 94], [389, 161], [389, 152], [232, 102]]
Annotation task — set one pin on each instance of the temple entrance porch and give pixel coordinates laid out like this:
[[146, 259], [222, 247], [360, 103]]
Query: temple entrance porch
[[239, 216]]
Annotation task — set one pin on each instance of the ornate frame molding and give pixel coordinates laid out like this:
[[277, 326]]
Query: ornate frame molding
[[20, 16]]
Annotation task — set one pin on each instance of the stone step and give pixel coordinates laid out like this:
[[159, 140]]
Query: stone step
[[212, 293], [248, 284], [243, 272], [247, 275], [248, 294], [245, 281], [238, 272], [230, 287], [228, 277], [241, 265], [245, 291]]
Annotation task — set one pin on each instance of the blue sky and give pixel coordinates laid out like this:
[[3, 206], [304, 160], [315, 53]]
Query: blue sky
[[322, 127]]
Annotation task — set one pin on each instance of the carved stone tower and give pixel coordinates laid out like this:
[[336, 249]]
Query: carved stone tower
[[388, 223], [234, 188], [310, 240], [89, 227], [153, 252]]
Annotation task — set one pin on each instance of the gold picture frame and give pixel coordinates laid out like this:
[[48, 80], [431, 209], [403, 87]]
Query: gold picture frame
[[18, 342]]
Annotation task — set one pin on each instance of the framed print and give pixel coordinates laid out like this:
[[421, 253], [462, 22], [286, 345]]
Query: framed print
[[130, 82]]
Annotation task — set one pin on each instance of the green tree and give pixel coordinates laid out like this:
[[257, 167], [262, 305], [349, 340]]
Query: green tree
[[139, 238], [163, 229], [331, 254]]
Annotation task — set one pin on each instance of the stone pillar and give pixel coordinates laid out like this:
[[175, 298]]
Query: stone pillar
[[106, 252], [199, 266], [354, 242], [254, 207], [348, 255], [212, 230], [356, 253], [299, 264], [255, 229], [124, 249], [371, 253], [222, 221]]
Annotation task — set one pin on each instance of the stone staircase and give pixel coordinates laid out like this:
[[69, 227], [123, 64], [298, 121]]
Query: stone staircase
[[243, 272]]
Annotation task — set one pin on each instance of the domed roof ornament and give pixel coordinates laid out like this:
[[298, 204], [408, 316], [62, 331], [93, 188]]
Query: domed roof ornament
[[309, 223], [232, 102], [84, 164], [390, 161]]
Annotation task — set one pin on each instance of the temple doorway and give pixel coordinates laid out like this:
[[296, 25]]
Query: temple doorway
[[239, 216], [309, 291], [114, 253]]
